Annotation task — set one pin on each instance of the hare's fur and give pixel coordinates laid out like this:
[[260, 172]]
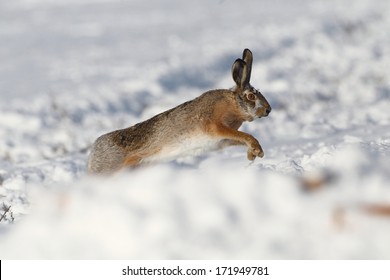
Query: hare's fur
[[208, 122]]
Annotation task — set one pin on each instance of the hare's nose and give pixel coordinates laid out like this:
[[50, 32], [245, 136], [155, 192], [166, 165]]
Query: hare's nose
[[268, 111]]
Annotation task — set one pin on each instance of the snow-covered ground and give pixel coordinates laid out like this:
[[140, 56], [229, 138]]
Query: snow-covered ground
[[72, 70]]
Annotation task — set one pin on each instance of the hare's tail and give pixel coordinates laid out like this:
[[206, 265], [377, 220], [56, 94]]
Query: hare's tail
[[105, 157]]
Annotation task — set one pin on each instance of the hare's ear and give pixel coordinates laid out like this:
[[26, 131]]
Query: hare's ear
[[240, 73], [248, 58]]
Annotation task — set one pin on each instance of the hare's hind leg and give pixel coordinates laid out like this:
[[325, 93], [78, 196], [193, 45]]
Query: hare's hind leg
[[138, 158], [132, 161]]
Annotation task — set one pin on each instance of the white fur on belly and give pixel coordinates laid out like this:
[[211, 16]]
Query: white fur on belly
[[192, 146]]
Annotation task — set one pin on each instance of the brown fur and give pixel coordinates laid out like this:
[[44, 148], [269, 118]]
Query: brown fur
[[217, 114]]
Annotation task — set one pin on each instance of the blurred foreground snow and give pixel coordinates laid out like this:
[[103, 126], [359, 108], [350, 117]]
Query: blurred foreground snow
[[214, 211], [72, 71]]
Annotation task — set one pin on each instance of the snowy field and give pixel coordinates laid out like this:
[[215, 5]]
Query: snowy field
[[73, 70]]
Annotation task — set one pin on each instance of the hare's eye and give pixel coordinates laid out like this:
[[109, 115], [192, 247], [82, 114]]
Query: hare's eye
[[251, 96]]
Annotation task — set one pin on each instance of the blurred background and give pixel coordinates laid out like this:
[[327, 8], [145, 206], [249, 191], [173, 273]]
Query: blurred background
[[72, 70]]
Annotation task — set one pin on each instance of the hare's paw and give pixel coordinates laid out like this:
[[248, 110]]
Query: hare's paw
[[250, 155], [255, 151]]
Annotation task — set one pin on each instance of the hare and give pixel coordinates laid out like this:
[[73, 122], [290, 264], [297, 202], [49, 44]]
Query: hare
[[208, 122]]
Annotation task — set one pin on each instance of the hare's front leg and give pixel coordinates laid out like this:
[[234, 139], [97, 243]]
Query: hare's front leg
[[254, 150], [253, 153], [235, 137]]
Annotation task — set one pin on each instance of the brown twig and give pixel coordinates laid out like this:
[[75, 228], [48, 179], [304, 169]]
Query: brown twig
[[377, 209], [6, 210]]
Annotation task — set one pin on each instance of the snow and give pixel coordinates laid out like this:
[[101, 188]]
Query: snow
[[73, 70]]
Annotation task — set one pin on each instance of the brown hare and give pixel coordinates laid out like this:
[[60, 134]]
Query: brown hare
[[206, 123]]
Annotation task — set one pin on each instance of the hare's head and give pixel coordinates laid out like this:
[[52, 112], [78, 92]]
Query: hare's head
[[251, 99]]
